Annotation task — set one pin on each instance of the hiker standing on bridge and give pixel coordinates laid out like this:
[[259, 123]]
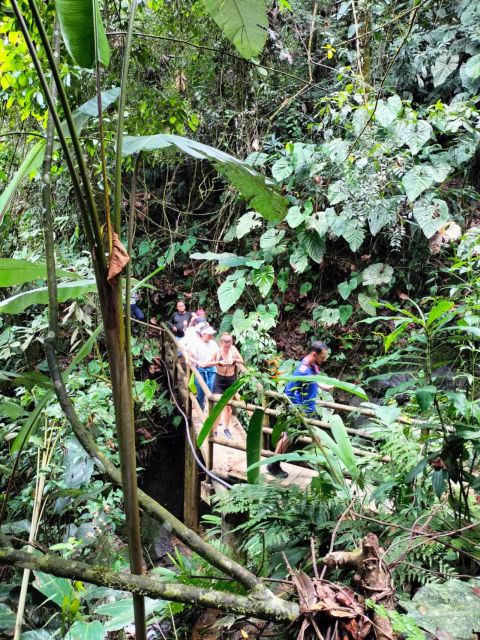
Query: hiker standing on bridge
[[303, 395], [228, 358], [204, 355], [180, 320]]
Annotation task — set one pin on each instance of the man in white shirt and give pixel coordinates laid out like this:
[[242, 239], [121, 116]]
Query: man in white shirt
[[204, 355]]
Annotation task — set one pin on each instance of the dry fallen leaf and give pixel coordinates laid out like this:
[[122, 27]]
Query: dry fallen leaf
[[119, 258]]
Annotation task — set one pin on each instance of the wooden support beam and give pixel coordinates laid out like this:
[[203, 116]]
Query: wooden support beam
[[191, 493]]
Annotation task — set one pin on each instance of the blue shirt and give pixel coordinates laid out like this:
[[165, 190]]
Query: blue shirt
[[303, 394]]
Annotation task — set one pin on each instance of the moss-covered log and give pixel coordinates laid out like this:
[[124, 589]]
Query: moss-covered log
[[256, 604]]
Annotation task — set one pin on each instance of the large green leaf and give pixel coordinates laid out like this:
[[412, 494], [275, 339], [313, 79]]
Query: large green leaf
[[31, 163], [388, 110], [263, 278], [7, 618], [36, 154], [253, 186], [334, 382], [83, 32], [121, 611], [14, 272], [416, 181], [254, 445], [65, 291], [444, 66], [244, 23], [230, 291], [55, 589], [81, 630], [218, 408], [431, 214]]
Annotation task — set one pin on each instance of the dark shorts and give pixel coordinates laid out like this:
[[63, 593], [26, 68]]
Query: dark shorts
[[221, 383]]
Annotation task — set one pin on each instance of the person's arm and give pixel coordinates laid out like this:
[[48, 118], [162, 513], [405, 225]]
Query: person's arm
[[237, 356], [215, 358], [171, 324]]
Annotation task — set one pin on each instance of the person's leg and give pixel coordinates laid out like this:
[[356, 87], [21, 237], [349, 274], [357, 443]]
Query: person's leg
[[136, 312], [200, 392], [225, 419], [282, 447]]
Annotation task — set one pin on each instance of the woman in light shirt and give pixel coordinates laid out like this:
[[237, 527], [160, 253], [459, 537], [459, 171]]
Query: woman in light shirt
[[227, 361], [204, 355]]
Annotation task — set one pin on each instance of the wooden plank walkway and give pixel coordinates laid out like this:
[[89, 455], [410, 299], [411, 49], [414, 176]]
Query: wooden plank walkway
[[231, 464]]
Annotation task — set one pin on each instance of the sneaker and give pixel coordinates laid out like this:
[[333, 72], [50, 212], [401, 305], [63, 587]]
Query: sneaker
[[276, 470], [228, 433]]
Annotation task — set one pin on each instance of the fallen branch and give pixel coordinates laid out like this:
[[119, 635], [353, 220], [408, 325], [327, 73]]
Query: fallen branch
[[265, 606], [373, 577]]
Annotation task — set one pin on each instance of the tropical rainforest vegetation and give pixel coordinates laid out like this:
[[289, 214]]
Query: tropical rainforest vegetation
[[301, 169]]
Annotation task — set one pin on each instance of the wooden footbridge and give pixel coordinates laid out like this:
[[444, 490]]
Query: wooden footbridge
[[225, 457]]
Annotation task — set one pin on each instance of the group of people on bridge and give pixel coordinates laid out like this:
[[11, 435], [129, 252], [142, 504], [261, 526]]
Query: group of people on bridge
[[216, 362]]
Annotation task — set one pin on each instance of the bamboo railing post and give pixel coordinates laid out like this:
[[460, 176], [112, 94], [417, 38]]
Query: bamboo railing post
[[209, 460], [191, 493]]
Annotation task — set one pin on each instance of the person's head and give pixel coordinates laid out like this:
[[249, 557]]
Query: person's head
[[226, 340], [200, 313], [207, 332], [181, 308], [318, 351]]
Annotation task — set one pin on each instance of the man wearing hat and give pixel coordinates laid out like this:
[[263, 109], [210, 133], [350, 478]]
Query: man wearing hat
[[204, 354]]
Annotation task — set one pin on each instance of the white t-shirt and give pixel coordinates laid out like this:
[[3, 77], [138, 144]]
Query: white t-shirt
[[190, 339], [204, 352]]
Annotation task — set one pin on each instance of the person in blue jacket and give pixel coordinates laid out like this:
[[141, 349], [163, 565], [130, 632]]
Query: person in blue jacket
[[302, 394]]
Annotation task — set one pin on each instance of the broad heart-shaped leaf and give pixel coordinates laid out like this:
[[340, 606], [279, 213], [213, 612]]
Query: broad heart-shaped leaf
[[218, 408], [377, 274], [431, 214], [452, 608], [81, 26], [263, 278], [81, 630], [271, 238], [282, 169], [246, 223], [65, 290], [254, 445], [414, 134], [416, 181], [252, 185], [295, 217], [444, 65], [367, 304], [230, 291], [36, 154], [345, 311], [14, 272], [472, 67], [243, 22], [53, 588], [387, 111]]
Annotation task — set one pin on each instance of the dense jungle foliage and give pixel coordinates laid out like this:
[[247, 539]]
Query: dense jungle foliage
[[301, 170]]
